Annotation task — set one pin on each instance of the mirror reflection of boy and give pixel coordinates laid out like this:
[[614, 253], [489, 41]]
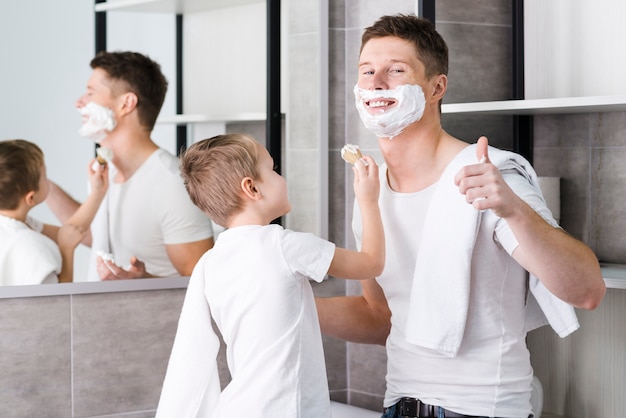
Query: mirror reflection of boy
[[255, 284], [32, 252]]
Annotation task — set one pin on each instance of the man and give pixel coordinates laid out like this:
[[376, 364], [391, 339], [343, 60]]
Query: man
[[147, 226], [463, 226]]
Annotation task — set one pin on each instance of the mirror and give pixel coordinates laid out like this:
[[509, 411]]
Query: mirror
[[50, 66]]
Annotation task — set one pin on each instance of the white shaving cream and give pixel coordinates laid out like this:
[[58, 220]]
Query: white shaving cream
[[100, 121], [409, 108]]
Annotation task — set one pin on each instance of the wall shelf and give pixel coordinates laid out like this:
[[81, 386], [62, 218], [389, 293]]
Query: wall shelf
[[199, 118], [590, 104], [168, 6], [614, 275]]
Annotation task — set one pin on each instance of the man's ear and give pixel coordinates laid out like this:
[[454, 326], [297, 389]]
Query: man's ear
[[129, 102], [441, 86], [249, 188]]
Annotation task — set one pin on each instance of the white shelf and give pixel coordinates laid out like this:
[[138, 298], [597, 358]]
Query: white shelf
[[168, 6], [199, 118], [591, 104], [614, 275]]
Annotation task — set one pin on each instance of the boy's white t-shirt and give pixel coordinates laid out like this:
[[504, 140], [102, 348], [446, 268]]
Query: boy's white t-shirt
[[256, 282], [26, 255]]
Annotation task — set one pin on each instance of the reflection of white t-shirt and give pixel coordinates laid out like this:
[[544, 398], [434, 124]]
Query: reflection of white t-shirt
[[26, 255], [256, 283], [148, 211]]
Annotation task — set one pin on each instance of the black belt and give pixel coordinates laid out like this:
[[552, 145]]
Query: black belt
[[414, 408]]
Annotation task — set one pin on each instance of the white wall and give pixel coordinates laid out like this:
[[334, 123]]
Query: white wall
[[152, 34], [45, 51], [574, 48]]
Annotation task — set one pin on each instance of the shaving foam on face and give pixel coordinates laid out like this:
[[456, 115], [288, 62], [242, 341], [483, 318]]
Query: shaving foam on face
[[409, 108], [100, 121]]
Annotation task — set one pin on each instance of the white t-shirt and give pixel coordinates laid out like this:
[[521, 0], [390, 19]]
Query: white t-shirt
[[145, 213], [26, 255], [491, 374], [257, 286]]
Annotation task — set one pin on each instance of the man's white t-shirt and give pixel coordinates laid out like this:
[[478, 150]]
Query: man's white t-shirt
[[491, 374], [148, 211]]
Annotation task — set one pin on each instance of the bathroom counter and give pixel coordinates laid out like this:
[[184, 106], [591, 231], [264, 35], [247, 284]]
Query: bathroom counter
[[614, 275], [83, 288]]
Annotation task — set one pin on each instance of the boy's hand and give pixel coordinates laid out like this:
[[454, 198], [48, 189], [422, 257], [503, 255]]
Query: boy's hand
[[98, 175], [366, 181]]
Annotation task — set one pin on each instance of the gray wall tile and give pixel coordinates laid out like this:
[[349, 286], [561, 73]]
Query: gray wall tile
[[119, 361], [35, 364], [369, 376], [303, 92], [608, 129], [482, 12], [480, 67], [608, 203], [563, 131], [572, 166], [363, 13]]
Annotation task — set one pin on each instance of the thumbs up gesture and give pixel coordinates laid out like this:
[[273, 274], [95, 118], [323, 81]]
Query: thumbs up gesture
[[483, 185]]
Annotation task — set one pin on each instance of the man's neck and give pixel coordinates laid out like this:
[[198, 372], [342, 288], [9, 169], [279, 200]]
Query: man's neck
[[130, 150], [416, 158]]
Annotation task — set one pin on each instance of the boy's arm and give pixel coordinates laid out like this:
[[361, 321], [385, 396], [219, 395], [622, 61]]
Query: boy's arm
[[60, 202], [75, 228], [99, 181], [370, 261], [64, 207]]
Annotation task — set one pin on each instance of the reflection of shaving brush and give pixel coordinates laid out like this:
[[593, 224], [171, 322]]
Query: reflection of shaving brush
[[103, 156], [351, 153]]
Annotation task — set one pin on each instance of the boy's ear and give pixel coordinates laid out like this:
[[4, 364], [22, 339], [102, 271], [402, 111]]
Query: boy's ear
[[29, 198], [249, 188]]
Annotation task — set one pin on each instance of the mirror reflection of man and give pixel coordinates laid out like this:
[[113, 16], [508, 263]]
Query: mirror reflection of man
[[147, 226]]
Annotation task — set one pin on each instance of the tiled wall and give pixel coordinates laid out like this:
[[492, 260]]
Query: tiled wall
[[585, 150], [89, 355]]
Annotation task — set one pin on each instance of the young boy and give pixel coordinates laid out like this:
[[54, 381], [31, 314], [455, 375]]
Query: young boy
[[254, 283], [32, 253]]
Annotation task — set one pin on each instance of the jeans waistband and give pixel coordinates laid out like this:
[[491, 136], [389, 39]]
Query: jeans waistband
[[414, 408]]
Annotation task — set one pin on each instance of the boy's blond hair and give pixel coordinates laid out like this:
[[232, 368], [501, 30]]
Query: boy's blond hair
[[212, 170], [21, 164]]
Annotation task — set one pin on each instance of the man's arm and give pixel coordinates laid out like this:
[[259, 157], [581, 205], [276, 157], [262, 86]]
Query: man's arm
[[567, 267], [185, 256], [362, 319]]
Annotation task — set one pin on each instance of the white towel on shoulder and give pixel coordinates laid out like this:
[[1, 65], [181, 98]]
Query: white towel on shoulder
[[443, 267]]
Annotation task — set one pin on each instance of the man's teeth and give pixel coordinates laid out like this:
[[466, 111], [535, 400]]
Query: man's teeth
[[378, 104]]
